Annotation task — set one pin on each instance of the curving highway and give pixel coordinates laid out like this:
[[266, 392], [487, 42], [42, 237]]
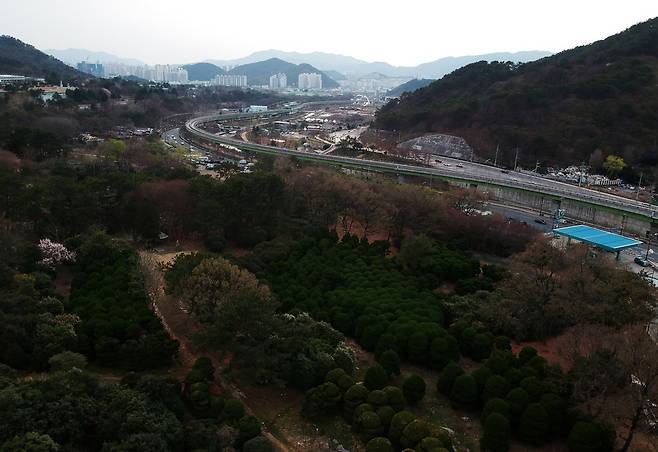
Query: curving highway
[[450, 169]]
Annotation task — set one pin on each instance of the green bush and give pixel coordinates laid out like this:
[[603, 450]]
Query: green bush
[[534, 387], [378, 398], [481, 375], [429, 444], [413, 389], [398, 424], [370, 425], [518, 401], [496, 434], [464, 392], [586, 437], [248, 428], [354, 396], [390, 361], [526, 354], [448, 377], [414, 432], [233, 410], [481, 346], [67, 360], [443, 350], [334, 375], [495, 387], [379, 444], [376, 377], [359, 410], [385, 414], [555, 407], [495, 405], [534, 424], [394, 397]]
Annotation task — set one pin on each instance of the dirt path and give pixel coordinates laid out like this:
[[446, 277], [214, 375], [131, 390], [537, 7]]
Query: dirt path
[[179, 325]]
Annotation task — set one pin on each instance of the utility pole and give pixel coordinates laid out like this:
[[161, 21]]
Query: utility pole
[[516, 158], [639, 184], [496, 158]]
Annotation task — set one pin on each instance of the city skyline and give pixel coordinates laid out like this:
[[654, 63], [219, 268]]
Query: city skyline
[[165, 32]]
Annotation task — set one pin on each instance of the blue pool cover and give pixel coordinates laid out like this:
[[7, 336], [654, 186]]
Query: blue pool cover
[[597, 237]]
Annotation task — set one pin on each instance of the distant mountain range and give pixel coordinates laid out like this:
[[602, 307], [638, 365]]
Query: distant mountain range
[[350, 65], [74, 56], [259, 73], [19, 58], [410, 86]]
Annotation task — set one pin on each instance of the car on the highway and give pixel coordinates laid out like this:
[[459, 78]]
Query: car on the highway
[[642, 262], [459, 165], [446, 164], [540, 221], [504, 171]]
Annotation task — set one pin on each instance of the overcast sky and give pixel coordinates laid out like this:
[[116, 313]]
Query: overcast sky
[[399, 32]]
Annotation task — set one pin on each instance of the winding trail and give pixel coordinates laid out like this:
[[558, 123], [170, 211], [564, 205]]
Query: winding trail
[[178, 325]]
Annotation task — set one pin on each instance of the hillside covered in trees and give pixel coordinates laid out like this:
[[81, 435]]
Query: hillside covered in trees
[[19, 58], [559, 109], [259, 73]]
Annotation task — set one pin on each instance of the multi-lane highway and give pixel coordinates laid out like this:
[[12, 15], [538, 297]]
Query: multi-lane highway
[[446, 169]]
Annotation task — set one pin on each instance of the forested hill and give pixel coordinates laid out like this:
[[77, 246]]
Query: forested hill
[[410, 86], [556, 110], [259, 73], [203, 71], [19, 58]]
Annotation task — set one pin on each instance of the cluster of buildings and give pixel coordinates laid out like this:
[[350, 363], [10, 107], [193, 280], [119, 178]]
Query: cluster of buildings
[[309, 81], [278, 81], [580, 175], [158, 73], [8, 79], [230, 80]]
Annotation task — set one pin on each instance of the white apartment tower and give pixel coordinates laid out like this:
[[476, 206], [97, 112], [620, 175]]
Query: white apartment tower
[[309, 80], [230, 80], [278, 81]]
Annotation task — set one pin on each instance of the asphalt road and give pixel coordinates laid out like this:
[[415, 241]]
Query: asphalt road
[[452, 168]]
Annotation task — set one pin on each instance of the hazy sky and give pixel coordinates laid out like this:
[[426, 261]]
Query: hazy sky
[[399, 32]]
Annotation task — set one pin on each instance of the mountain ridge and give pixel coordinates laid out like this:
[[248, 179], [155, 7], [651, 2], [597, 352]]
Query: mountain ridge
[[558, 110], [20, 58]]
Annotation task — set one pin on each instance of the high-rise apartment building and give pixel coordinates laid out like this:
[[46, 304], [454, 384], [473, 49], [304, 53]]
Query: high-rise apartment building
[[309, 80], [230, 80], [278, 81]]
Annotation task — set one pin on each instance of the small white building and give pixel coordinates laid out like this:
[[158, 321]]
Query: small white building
[[257, 108]]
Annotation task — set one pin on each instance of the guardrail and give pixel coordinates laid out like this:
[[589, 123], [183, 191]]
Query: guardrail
[[542, 186]]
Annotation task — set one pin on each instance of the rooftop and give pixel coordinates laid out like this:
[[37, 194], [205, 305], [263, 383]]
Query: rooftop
[[597, 237]]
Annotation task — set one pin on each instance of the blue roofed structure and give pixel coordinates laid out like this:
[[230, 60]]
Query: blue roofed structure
[[597, 237]]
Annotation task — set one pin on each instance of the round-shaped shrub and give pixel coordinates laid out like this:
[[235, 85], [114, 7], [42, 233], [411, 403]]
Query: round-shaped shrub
[[526, 354], [233, 410], [585, 437], [464, 392], [370, 425], [414, 432], [518, 401], [495, 405], [378, 398], [379, 444], [394, 397], [555, 407], [334, 375], [398, 423], [390, 361], [413, 389], [429, 444], [448, 377], [376, 377], [534, 387], [496, 386], [385, 414], [534, 424], [496, 434], [359, 410]]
